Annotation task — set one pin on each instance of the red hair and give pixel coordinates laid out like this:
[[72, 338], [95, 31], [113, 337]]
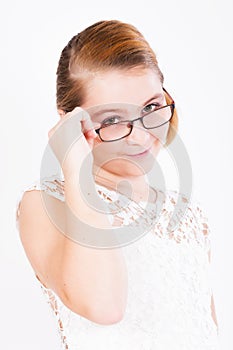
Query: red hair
[[101, 47]]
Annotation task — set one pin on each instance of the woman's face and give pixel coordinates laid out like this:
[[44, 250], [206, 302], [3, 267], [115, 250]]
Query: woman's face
[[117, 95]]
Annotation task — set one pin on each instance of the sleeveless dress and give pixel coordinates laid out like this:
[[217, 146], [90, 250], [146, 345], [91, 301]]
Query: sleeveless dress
[[169, 286]]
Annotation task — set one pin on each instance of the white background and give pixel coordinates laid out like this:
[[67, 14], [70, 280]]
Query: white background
[[193, 42]]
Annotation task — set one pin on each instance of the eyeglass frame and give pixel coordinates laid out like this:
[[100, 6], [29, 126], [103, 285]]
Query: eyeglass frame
[[172, 105]]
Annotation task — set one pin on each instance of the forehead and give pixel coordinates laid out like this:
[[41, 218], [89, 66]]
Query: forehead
[[101, 111], [134, 87]]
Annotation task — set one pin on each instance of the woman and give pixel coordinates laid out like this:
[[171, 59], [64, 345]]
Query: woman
[[153, 293]]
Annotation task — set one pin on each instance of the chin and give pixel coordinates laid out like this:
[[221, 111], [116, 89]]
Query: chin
[[126, 167]]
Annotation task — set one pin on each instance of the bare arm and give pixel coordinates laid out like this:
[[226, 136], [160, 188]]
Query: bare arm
[[91, 282], [213, 311]]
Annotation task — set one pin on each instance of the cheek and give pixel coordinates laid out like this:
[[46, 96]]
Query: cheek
[[97, 146], [100, 147], [96, 142], [103, 152], [160, 134]]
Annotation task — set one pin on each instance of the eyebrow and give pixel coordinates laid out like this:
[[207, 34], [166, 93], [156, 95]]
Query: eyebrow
[[120, 110], [107, 110], [158, 95]]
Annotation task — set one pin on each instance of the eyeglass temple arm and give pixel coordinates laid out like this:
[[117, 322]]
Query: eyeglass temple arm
[[169, 96]]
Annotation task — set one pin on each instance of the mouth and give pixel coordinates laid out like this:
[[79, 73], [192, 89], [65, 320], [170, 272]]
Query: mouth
[[139, 155]]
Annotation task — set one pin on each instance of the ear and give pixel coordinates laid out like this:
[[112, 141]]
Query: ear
[[61, 112]]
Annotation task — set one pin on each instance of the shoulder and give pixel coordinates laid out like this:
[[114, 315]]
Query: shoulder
[[53, 185], [41, 239], [188, 217], [191, 207], [31, 208]]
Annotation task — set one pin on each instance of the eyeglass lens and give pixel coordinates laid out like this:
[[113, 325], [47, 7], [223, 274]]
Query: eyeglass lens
[[122, 129]]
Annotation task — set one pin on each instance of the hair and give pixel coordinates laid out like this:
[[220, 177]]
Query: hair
[[101, 47]]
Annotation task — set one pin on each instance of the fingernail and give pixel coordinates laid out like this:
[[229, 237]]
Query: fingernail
[[94, 133]]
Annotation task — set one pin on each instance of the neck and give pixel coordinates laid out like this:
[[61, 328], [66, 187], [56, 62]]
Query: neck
[[134, 187]]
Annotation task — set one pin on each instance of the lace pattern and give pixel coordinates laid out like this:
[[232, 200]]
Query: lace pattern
[[169, 293]]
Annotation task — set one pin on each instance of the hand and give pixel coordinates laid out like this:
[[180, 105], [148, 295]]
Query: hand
[[72, 140]]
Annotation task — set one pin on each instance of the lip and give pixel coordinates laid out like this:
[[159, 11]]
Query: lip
[[138, 155]]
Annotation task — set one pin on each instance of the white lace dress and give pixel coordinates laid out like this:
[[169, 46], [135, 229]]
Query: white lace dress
[[169, 289]]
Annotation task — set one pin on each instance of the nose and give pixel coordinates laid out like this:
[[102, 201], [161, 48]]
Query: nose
[[139, 135]]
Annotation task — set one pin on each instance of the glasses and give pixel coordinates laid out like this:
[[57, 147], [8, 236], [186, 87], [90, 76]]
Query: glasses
[[111, 131]]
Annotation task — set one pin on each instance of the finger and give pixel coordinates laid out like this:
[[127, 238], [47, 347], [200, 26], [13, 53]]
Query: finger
[[66, 133], [85, 119], [87, 123], [78, 112], [90, 134]]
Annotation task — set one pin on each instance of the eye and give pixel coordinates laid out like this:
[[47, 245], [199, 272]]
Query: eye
[[150, 108], [111, 120]]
